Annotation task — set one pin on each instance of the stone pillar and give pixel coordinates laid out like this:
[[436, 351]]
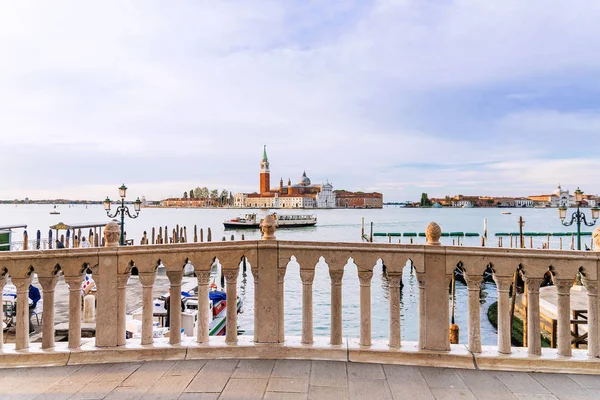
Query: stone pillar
[[231, 308], [281, 302], [147, 281], [394, 280], [22, 339], [74, 283], [563, 288], [105, 276], [421, 310], [593, 336], [504, 335], [203, 309], [266, 312], [307, 276], [175, 306], [365, 307], [122, 308], [534, 344], [336, 276], [48, 286], [436, 313], [474, 286]]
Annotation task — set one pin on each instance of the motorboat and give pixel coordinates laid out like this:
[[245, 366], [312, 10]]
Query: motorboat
[[252, 221], [54, 212]]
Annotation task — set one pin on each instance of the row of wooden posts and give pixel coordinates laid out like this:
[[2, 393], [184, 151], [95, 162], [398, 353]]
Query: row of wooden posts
[[67, 241], [177, 235]]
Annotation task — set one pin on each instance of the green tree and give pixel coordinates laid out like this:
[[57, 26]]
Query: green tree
[[204, 193], [197, 193], [185, 195], [425, 200], [224, 197], [192, 194], [214, 194]]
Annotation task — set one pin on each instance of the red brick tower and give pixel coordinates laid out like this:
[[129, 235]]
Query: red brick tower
[[265, 174]]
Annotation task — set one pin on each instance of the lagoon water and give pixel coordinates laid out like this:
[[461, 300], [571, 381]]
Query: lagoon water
[[333, 225]]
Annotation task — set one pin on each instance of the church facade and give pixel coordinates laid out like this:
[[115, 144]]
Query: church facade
[[303, 194]]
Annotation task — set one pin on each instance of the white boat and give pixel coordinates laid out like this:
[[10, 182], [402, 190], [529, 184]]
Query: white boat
[[251, 221]]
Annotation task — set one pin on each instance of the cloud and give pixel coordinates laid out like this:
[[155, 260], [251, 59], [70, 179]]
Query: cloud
[[401, 96]]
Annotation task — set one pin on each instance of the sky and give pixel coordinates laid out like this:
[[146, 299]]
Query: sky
[[447, 97]]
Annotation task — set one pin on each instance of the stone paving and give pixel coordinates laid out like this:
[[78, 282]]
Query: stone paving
[[286, 379]]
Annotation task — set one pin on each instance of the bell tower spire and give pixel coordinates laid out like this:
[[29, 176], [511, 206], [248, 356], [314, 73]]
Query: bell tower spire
[[265, 174]]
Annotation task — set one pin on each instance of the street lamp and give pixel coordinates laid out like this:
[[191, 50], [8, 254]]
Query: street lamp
[[123, 209], [578, 216]]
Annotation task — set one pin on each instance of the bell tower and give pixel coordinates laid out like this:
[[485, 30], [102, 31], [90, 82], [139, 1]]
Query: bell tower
[[265, 174]]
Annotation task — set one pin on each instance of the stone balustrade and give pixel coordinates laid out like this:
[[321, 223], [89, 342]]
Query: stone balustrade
[[434, 265]]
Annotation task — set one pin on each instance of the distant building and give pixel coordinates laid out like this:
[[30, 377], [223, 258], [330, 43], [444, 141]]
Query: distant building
[[303, 194], [346, 199], [560, 198]]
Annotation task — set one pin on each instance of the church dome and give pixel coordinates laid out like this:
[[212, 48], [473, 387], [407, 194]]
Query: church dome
[[304, 181]]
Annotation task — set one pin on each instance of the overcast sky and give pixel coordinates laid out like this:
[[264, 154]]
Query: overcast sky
[[397, 96]]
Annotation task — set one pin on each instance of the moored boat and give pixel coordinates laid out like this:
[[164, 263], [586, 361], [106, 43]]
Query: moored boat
[[283, 221]]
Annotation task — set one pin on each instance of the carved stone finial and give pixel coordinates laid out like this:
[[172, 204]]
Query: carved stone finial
[[596, 236], [268, 226], [112, 234], [433, 232]]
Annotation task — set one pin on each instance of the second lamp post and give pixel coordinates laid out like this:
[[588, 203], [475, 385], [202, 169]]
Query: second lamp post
[[578, 216], [122, 210]]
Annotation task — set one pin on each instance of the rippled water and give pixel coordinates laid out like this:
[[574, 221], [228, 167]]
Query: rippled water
[[333, 225]]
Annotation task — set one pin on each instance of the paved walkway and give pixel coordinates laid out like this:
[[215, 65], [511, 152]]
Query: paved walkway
[[285, 379]]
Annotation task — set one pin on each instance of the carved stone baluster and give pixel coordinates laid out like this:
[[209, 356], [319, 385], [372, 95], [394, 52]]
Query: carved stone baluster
[[336, 276], [365, 307], [593, 336], [534, 343], [474, 287], [147, 281], [421, 309], [254, 271], [563, 288], [122, 308], [307, 276], [74, 283], [503, 286], [281, 298], [2, 283], [22, 339], [48, 286], [175, 306], [231, 309], [394, 280], [203, 317]]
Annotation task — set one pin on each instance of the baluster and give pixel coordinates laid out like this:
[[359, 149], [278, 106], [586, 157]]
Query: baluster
[[563, 288], [2, 283], [365, 307], [281, 298], [593, 337], [421, 309], [22, 339], [48, 286], [307, 276], [74, 283], [254, 271], [474, 286], [231, 307], [503, 286], [203, 309], [336, 276], [394, 280], [534, 344], [175, 306], [122, 308], [147, 281]]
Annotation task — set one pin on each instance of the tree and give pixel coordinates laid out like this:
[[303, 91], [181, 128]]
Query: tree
[[197, 193], [214, 194], [224, 196], [185, 195], [204, 192], [192, 194], [425, 200]]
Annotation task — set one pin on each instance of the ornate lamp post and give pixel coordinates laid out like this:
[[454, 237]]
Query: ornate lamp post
[[122, 210], [578, 216]]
